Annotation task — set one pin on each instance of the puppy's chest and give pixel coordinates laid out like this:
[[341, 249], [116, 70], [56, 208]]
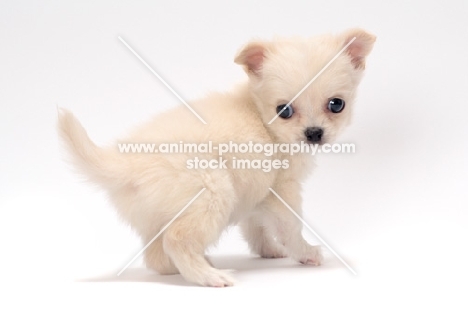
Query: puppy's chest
[[252, 186], [299, 167]]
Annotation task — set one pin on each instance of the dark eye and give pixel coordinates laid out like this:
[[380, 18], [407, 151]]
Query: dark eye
[[336, 105], [286, 113]]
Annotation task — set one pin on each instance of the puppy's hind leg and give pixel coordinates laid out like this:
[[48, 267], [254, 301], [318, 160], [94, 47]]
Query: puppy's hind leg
[[156, 259], [188, 236]]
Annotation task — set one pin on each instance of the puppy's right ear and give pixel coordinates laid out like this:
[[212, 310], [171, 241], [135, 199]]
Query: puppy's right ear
[[251, 57]]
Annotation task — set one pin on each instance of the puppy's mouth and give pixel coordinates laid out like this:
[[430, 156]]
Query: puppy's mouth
[[317, 143], [312, 144]]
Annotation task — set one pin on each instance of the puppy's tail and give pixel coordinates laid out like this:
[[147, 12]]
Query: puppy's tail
[[98, 164]]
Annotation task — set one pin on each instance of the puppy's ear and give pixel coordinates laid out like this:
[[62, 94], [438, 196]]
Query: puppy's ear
[[251, 57], [361, 46]]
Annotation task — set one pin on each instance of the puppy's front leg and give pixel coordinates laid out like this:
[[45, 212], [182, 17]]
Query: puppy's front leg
[[285, 224], [261, 241]]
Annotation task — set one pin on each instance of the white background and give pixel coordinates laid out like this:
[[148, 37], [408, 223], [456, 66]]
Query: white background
[[396, 210]]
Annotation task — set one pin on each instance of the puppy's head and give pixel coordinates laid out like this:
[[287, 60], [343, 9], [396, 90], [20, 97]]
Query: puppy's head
[[281, 69]]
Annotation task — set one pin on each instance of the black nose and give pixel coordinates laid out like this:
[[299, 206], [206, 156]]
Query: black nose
[[314, 134]]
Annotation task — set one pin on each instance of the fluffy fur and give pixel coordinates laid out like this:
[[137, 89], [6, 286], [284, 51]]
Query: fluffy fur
[[148, 190]]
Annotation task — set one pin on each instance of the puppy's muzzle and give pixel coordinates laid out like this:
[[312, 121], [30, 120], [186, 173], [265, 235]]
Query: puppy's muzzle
[[314, 134]]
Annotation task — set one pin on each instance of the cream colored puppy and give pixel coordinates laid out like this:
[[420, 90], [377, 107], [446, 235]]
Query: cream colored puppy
[[149, 189]]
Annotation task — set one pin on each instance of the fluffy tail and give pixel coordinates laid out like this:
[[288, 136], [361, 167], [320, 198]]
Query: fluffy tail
[[98, 164]]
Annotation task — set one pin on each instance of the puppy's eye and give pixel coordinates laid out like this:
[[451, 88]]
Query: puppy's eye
[[286, 113], [336, 105]]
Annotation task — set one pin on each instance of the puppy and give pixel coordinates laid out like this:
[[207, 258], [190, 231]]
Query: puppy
[[149, 189]]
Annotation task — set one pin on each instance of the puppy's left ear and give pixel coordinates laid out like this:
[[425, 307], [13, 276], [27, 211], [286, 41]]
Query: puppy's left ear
[[361, 46], [251, 57]]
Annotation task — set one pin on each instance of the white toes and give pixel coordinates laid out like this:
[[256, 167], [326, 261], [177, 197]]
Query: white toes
[[313, 256]]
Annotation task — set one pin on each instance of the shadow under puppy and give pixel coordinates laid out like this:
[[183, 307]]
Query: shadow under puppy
[[149, 189]]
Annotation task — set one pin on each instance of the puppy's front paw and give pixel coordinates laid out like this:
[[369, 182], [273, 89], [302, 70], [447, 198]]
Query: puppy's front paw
[[272, 251], [313, 256]]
